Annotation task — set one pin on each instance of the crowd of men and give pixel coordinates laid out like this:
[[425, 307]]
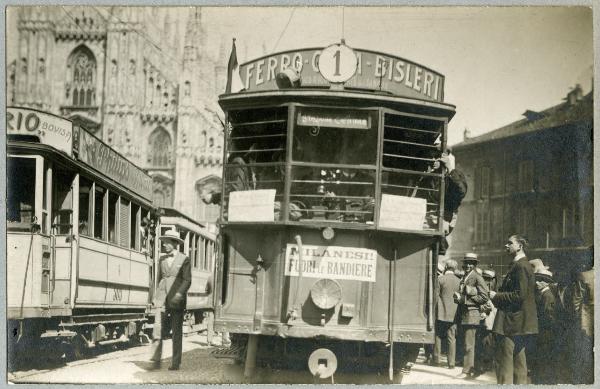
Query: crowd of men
[[530, 328]]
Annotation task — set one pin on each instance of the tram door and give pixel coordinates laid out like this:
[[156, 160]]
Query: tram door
[[63, 240]]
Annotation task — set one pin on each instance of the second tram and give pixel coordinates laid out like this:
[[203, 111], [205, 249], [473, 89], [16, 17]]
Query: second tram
[[332, 210]]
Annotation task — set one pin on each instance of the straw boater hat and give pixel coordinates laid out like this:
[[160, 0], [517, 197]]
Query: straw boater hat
[[471, 257], [171, 235]]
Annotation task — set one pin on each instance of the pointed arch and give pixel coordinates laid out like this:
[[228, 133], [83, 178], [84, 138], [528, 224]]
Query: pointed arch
[[83, 68], [160, 148]]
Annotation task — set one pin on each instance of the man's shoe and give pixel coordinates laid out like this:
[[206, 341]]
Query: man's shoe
[[173, 367]]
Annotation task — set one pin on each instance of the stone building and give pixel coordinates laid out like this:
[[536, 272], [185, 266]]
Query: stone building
[[533, 177], [122, 73]]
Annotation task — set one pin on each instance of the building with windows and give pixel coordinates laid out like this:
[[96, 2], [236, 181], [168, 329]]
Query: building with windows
[[121, 73], [533, 177]]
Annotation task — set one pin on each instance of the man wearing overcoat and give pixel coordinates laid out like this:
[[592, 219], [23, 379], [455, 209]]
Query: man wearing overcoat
[[448, 284], [516, 319], [473, 293], [175, 275]]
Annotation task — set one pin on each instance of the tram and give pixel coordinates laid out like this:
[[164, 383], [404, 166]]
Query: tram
[[81, 242], [332, 210], [199, 246]]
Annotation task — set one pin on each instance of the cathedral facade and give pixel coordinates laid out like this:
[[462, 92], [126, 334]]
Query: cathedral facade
[[123, 74]]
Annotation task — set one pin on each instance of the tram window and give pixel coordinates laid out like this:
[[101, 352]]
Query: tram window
[[332, 193], [45, 197], [21, 193], [112, 217], [201, 253], [135, 226], [333, 136], [256, 151], [206, 254], [124, 222], [62, 202], [99, 212], [85, 200], [410, 172], [192, 250]]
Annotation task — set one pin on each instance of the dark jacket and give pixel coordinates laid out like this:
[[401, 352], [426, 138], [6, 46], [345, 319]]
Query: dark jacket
[[583, 302], [515, 300], [173, 279], [474, 293], [446, 307], [545, 302]]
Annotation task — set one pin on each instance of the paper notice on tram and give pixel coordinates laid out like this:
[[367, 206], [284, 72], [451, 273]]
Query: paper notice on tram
[[401, 212], [335, 262], [252, 206]]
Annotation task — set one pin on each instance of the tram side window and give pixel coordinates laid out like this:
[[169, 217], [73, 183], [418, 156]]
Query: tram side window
[[62, 201], [99, 194], [201, 254], [124, 221], [20, 207], [256, 152], [411, 177], [341, 187], [112, 217], [85, 202], [135, 227]]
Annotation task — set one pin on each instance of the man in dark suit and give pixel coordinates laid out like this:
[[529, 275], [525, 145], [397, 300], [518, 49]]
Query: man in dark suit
[[445, 325], [473, 293], [516, 319], [175, 275], [583, 308]]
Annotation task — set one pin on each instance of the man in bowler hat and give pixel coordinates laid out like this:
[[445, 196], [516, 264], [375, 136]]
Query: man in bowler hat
[[516, 319], [175, 275]]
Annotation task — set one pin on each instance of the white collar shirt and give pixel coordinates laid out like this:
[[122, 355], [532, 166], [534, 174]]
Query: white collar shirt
[[519, 256]]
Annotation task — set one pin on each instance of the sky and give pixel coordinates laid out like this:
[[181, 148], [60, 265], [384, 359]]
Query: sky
[[498, 61]]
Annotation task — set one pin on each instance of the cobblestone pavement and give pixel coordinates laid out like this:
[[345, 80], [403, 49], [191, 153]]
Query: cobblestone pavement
[[198, 366]]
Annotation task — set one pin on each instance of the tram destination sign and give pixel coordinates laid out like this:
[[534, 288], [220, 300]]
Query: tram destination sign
[[104, 159], [334, 262], [48, 129], [373, 72]]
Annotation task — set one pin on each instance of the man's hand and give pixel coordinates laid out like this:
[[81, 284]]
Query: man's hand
[[492, 294], [177, 298], [206, 196]]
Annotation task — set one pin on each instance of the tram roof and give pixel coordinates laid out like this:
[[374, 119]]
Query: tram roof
[[339, 98]]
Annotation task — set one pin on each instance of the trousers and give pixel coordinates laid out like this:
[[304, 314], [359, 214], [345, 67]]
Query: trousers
[[170, 321], [511, 362], [470, 338], [445, 330]]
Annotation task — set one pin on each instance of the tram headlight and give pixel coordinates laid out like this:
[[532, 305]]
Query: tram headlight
[[328, 233]]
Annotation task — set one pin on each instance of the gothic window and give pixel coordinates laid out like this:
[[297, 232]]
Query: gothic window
[[42, 66], [83, 66], [159, 148], [187, 88]]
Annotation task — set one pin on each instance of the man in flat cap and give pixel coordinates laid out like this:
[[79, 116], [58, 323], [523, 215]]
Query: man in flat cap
[[473, 293], [175, 275]]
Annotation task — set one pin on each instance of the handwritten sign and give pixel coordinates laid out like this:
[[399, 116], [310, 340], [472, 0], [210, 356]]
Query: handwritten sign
[[49, 129], [104, 159], [334, 262], [373, 71], [252, 205], [401, 212]]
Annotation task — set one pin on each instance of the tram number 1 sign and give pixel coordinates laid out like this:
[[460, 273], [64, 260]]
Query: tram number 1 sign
[[333, 262], [337, 63]]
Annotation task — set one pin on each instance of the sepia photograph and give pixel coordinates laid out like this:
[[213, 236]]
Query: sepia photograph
[[294, 194]]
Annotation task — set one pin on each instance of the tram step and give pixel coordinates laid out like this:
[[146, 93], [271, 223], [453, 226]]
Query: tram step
[[227, 352]]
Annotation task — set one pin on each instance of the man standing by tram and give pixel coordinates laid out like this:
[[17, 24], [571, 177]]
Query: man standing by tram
[[472, 294], [175, 275], [516, 319]]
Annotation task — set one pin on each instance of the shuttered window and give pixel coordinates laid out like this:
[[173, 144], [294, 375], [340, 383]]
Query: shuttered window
[[124, 222]]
